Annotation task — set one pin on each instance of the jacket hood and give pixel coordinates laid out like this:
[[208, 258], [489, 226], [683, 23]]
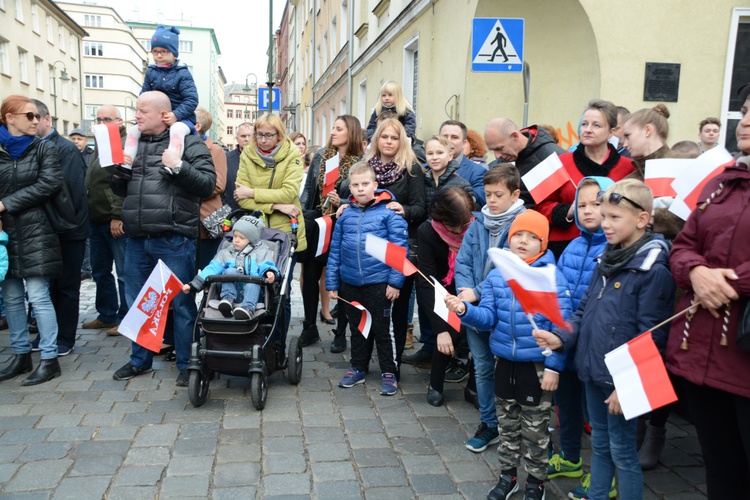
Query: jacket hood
[[283, 150], [381, 196], [604, 183], [538, 137], [3, 238], [656, 250]]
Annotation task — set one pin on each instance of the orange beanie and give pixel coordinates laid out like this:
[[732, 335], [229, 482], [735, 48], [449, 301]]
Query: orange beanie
[[533, 222]]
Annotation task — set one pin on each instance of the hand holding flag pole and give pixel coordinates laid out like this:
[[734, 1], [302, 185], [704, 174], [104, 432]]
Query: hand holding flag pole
[[365, 322]]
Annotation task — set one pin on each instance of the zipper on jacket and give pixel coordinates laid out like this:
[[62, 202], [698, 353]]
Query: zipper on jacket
[[359, 254], [513, 324], [604, 284]]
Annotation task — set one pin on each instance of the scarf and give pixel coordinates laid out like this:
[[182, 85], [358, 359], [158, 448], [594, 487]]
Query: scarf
[[344, 164], [496, 223], [268, 157], [385, 174], [589, 167], [453, 241], [615, 257], [15, 145]]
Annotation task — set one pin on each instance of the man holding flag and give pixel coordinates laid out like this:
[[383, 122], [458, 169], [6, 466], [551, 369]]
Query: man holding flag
[[160, 217]]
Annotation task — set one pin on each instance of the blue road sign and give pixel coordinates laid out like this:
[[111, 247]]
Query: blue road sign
[[497, 45], [263, 98]]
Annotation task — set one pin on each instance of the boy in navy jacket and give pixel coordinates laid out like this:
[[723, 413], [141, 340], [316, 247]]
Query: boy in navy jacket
[[362, 278]]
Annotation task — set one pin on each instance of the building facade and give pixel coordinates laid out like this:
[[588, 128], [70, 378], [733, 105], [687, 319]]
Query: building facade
[[240, 106], [40, 57]]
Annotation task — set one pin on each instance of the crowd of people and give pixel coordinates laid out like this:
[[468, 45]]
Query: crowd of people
[[624, 263]]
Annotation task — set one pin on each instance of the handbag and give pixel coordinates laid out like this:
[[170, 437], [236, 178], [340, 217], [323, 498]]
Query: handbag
[[60, 211], [214, 221], [743, 328]]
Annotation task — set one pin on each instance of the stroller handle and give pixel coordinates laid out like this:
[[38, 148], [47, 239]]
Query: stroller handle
[[233, 278]]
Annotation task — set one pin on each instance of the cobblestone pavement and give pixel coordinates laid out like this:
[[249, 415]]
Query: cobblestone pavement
[[87, 436]]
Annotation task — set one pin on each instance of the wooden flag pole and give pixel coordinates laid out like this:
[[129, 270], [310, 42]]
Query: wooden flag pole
[[684, 311]]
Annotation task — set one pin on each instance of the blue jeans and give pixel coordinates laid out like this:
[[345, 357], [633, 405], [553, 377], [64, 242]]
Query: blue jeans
[[250, 291], [613, 445], [484, 371], [178, 253], [569, 400], [104, 250], [46, 319]]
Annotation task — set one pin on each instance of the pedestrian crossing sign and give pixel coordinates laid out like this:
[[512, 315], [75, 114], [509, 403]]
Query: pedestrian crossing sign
[[497, 45]]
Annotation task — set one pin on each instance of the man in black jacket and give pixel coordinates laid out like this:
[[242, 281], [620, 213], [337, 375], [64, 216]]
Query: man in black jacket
[[160, 215], [244, 134], [65, 290]]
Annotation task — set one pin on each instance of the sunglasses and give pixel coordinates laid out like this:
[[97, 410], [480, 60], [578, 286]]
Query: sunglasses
[[616, 198], [30, 116]]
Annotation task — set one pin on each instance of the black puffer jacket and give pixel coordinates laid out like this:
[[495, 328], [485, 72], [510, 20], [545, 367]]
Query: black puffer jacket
[[449, 178], [156, 206], [539, 147], [74, 171], [33, 246]]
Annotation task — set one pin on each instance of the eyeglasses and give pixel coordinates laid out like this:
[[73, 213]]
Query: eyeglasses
[[156, 52], [616, 198], [105, 120], [260, 135], [30, 116]]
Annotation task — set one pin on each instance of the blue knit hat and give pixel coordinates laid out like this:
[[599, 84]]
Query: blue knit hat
[[167, 38]]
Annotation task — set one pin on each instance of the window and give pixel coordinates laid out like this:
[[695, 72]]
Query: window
[[146, 44], [74, 91], [73, 46], [344, 23], [91, 112], [94, 49], [229, 113], [362, 102], [92, 21], [4, 57], [66, 125], [247, 115], [186, 46], [2, 5], [61, 38], [50, 38], [19, 10], [52, 86], [411, 71], [737, 72], [334, 36], [39, 73], [35, 18], [23, 65], [230, 130], [65, 86], [93, 81], [238, 113]]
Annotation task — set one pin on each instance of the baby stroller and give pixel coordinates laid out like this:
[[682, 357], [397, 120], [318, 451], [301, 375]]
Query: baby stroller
[[245, 348]]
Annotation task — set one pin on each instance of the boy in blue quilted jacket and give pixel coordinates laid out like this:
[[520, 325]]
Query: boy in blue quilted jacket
[[359, 277], [524, 378]]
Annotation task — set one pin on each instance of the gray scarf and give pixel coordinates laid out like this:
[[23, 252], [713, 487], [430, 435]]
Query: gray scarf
[[616, 258], [496, 223], [268, 159]]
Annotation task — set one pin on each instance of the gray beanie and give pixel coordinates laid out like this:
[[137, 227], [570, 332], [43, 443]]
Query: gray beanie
[[250, 227]]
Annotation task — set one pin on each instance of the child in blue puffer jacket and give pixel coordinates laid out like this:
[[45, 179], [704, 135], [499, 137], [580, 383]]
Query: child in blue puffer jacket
[[524, 377]]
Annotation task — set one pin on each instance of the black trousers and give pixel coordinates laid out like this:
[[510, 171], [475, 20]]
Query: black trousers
[[722, 422], [400, 313], [311, 273], [441, 361], [66, 291], [372, 297]]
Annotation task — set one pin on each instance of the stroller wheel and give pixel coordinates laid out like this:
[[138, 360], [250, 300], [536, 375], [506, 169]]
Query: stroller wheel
[[258, 390], [294, 363], [197, 387]]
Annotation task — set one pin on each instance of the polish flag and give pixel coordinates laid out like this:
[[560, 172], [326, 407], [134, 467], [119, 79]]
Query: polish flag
[[325, 225], [660, 174], [365, 322], [332, 173], [145, 321], [534, 287], [441, 309], [390, 254], [640, 377], [546, 178], [691, 182], [109, 144]]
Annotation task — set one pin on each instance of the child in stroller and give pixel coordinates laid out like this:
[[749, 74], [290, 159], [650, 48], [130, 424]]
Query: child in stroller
[[248, 255]]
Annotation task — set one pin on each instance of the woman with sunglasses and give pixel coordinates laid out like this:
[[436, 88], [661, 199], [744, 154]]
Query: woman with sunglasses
[[268, 181], [711, 260], [594, 156], [29, 174]]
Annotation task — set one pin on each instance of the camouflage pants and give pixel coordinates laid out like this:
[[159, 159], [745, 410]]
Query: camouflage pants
[[528, 425]]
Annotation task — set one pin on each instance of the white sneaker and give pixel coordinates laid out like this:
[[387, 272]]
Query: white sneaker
[[225, 308], [241, 313]]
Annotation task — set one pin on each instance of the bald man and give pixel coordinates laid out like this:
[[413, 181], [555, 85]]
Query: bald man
[[160, 216], [526, 147]]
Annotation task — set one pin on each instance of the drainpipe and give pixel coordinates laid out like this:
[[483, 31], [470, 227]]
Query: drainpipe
[[350, 77]]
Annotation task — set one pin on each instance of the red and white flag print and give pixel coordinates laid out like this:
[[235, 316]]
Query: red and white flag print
[[546, 178], [332, 173], [640, 376], [660, 174], [534, 287], [365, 322], [145, 321], [441, 309], [325, 227], [691, 182], [109, 144], [390, 254]]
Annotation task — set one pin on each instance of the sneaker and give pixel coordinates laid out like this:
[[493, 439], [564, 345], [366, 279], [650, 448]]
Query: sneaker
[[183, 378], [558, 467], [241, 313], [352, 378], [225, 308], [534, 491], [421, 357], [129, 371], [456, 372], [388, 386], [63, 350], [583, 490], [484, 437], [505, 487]]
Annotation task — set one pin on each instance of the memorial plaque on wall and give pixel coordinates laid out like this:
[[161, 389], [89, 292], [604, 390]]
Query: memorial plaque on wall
[[662, 82]]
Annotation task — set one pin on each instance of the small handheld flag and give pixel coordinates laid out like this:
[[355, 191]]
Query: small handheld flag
[[390, 254]]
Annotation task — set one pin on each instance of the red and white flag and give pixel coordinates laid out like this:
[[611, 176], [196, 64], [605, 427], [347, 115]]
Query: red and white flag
[[660, 174], [390, 254], [546, 178], [534, 287], [145, 321], [691, 182], [441, 309], [365, 322], [109, 144], [332, 173], [325, 227], [640, 376]]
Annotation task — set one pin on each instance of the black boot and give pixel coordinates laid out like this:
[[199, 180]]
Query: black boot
[[653, 444], [434, 397], [46, 370], [21, 363], [281, 359], [339, 341], [309, 336]]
